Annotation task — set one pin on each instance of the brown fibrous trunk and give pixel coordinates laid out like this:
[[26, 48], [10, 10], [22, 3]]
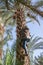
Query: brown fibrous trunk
[[21, 57]]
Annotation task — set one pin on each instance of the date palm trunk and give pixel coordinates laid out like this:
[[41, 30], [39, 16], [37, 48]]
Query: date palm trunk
[[21, 58], [1, 38], [0, 53], [1, 48]]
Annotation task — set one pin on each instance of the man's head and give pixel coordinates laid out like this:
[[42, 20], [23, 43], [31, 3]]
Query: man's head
[[27, 33]]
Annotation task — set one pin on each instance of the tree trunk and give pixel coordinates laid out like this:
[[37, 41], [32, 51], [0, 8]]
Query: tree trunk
[[0, 53], [21, 58]]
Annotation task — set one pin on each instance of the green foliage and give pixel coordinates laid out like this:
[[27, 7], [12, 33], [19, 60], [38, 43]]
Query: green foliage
[[0, 62], [35, 43], [10, 55], [9, 58], [7, 10], [19, 63], [7, 36], [39, 60]]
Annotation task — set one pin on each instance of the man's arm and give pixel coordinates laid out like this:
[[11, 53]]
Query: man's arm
[[27, 39]]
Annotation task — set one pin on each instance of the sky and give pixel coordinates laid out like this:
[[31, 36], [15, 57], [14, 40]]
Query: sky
[[35, 28]]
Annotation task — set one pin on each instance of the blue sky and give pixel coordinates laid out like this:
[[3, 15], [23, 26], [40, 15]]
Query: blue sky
[[35, 28]]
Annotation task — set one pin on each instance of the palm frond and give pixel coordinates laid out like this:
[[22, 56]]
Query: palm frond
[[39, 60], [35, 40], [33, 17], [32, 8], [36, 43], [13, 48], [38, 4], [38, 46], [7, 5]]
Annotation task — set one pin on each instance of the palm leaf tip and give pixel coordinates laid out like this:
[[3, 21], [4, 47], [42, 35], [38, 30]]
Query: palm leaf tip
[[33, 17]]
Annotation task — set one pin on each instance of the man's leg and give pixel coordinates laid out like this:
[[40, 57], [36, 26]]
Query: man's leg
[[25, 48]]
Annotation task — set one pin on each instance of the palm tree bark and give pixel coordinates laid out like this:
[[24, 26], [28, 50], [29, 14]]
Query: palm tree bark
[[0, 53], [1, 49], [21, 58], [1, 38]]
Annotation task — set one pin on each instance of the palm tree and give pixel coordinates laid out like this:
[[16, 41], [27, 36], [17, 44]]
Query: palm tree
[[10, 54], [34, 44], [39, 60], [1, 38], [4, 40], [8, 57], [21, 7]]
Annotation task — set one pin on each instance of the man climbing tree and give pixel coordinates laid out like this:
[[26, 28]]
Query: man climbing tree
[[26, 39], [21, 6]]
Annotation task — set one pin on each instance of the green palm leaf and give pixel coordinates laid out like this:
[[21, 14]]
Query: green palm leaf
[[35, 43]]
